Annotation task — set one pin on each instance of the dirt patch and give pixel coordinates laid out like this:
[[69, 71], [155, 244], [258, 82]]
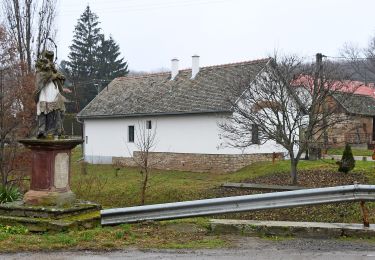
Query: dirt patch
[[313, 178], [339, 212]]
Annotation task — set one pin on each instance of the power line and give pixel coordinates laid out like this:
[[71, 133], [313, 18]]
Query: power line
[[151, 7], [350, 58]]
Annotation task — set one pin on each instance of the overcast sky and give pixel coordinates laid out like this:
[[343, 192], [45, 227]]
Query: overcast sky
[[152, 32]]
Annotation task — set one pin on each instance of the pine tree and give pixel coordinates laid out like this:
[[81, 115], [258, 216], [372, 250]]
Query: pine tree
[[93, 60], [82, 57], [110, 65]]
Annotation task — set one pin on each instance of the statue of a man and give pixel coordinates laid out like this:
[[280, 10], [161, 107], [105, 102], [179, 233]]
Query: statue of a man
[[48, 97]]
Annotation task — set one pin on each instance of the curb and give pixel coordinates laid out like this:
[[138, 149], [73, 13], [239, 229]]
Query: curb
[[290, 229]]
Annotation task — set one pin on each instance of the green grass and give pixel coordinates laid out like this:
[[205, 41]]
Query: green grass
[[101, 185], [107, 238], [356, 152]]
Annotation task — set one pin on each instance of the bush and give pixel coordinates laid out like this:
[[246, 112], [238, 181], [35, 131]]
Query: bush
[[347, 162], [13, 229], [9, 194]]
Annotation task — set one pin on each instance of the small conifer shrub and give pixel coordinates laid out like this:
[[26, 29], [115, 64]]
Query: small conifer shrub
[[347, 162]]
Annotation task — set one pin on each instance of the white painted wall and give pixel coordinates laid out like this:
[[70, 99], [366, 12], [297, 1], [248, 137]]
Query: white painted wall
[[178, 134]]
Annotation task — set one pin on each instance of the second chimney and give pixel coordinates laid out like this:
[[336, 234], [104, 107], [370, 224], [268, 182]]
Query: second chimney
[[194, 66], [174, 68]]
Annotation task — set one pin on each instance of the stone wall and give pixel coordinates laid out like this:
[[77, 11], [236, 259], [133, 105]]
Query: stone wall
[[215, 163], [356, 130]]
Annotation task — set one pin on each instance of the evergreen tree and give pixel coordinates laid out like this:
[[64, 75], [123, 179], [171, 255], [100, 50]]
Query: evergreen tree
[[347, 162], [110, 65], [93, 60], [82, 57]]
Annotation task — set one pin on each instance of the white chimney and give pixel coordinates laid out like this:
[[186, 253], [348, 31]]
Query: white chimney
[[194, 66], [174, 68]]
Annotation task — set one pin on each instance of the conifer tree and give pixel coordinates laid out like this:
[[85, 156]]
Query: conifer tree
[[347, 162], [82, 57], [110, 65], [93, 60]]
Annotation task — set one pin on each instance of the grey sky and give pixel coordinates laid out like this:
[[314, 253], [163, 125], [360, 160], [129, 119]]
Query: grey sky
[[151, 32]]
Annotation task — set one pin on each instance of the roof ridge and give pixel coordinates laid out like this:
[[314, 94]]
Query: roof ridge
[[144, 75], [224, 65], [232, 64]]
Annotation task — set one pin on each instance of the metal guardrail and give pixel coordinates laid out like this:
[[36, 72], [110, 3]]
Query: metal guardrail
[[350, 193]]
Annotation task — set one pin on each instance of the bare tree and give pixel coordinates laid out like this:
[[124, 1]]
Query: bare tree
[[45, 25], [287, 100], [145, 142], [360, 61], [16, 107], [30, 24]]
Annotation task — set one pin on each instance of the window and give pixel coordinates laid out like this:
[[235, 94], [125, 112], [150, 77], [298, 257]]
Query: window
[[131, 133], [148, 124], [87, 139], [255, 134]]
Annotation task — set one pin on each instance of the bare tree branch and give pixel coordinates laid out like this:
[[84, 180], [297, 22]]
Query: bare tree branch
[[288, 97]]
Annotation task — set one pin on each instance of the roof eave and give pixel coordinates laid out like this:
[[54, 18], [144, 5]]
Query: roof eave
[[152, 114]]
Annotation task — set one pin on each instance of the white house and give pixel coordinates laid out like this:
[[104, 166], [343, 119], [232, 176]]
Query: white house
[[183, 107]]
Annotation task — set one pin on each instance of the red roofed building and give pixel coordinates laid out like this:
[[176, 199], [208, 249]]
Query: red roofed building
[[356, 101]]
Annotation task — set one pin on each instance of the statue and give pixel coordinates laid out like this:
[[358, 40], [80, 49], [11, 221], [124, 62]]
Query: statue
[[48, 97]]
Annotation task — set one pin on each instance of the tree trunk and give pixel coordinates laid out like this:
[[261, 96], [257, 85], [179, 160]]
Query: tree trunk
[[28, 6], [293, 171], [18, 29], [144, 187], [2, 136]]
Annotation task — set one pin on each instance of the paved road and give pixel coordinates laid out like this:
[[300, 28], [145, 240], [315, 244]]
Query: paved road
[[246, 248]]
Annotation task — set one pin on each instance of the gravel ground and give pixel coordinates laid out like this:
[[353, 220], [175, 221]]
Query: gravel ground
[[245, 248]]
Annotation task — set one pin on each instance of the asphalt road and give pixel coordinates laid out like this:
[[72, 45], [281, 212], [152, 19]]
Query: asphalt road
[[246, 248]]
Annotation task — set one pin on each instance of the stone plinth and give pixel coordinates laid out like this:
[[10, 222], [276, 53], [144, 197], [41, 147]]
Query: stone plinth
[[50, 176]]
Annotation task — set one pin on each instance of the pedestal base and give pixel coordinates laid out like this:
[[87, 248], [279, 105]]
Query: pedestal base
[[50, 176], [80, 215], [49, 198]]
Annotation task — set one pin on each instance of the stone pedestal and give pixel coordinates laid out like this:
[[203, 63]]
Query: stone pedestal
[[50, 177]]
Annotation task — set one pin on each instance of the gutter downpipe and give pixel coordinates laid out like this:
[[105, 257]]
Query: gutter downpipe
[[82, 135]]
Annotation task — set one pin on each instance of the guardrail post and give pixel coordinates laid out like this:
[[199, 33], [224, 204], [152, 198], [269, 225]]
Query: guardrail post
[[364, 211]]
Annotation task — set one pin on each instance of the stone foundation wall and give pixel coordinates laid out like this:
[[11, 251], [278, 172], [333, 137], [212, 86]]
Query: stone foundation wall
[[215, 163]]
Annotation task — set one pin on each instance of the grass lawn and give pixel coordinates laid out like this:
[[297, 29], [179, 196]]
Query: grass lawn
[[104, 185], [120, 189], [165, 234], [101, 184], [356, 152]]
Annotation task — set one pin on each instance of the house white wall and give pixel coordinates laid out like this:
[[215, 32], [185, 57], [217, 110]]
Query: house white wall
[[198, 133]]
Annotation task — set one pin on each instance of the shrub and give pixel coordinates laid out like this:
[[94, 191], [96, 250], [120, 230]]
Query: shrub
[[13, 229], [9, 194], [347, 162]]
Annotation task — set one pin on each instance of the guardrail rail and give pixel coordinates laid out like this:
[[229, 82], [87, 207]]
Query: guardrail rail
[[287, 199]]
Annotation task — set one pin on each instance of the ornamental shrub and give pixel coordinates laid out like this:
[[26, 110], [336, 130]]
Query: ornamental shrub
[[347, 162], [9, 194]]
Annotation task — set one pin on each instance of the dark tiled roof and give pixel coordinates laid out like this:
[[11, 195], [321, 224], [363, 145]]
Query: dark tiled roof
[[356, 104], [153, 94]]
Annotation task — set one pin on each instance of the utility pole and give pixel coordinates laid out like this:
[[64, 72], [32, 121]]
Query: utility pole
[[319, 80]]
